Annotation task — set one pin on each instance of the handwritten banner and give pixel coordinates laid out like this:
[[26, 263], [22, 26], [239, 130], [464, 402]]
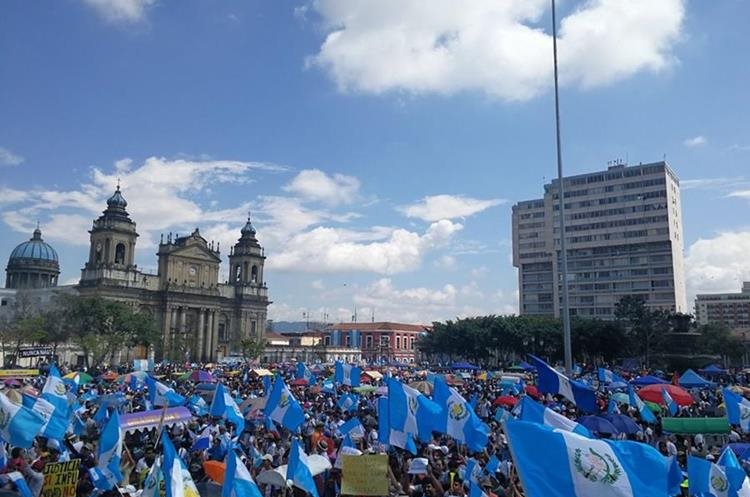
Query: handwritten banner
[[17, 373], [60, 478], [364, 475]]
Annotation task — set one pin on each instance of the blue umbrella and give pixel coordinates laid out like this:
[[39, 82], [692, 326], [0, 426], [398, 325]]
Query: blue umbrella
[[624, 424], [648, 380], [598, 424]]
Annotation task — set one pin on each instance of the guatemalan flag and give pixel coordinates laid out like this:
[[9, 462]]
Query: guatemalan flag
[[18, 424], [669, 402], [161, 395], [203, 441], [557, 463], [387, 435], [738, 409], [237, 479], [550, 381], [352, 428], [707, 479], [635, 401], [110, 450], [729, 460], [457, 418], [298, 469], [536, 413], [20, 483], [54, 391], [303, 372], [283, 408], [611, 378], [177, 479], [346, 374], [411, 412], [152, 483], [55, 423], [348, 402], [224, 406]]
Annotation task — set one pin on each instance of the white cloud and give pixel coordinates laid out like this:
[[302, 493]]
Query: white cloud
[[125, 11], [8, 158], [382, 251], [696, 141], [445, 47], [710, 183], [740, 194], [314, 184], [436, 207], [11, 196], [717, 264], [446, 262]]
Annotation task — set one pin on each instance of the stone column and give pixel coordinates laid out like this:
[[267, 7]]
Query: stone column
[[181, 330], [199, 350], [166, 329], [209, 335], [215, 336]]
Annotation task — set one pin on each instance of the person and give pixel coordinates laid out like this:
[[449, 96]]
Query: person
[[217, 452]]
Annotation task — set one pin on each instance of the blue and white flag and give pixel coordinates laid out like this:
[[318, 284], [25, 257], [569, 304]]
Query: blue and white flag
[[237, 479], [20, 483], [346, 374], [54, 391], [669, 402], [352, 428], [475, 490], [55, 423], [612, 407], [198, 405], [283, 408], [611, 378], [457, 419], [707, 479], [550, 381], [18, 424], [493, 464], [348, 402], [203, 441], [635, 401], [110, 450], [411, 412], [143, 365], [177, 479], [738, 409], [3, 455], [304, 373], [728, 459], [537, 413], [298, 469], [224, 406], [502, 415], [152, 483], [557, 463], [266, 385], [388, 436], [161, 395]]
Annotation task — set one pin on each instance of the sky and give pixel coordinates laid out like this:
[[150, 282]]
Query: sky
[[378, 144]]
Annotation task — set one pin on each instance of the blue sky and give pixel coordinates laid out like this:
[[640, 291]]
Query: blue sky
[[379, 144]]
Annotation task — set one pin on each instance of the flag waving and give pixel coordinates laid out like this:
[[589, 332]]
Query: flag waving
[[18, 425], [458, 419], [669, 402], [298, 469], [224, 406], [283, 408], [550, 381], [346, 374], [161, 395], [110, 450], [635, 401], [537, 413], [411, 412], [237, 479]]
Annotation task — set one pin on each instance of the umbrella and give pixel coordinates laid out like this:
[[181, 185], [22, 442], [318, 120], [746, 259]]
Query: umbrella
[[505, 400], [365, 389], [423, 386], [108, 376], [652, 393], [300, 382], [274, 477], [127, 378], [648, 380], [532, 391], [215, 470], [656, 408], [598, 425], [621, 398], [12, 383], [83, 378], [201, 377], [453, 380], [624, 424]]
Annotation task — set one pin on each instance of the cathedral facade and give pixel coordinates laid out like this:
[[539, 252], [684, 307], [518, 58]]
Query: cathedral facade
[[200, 319]]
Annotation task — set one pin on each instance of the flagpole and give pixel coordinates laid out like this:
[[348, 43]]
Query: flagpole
[[565, 311]]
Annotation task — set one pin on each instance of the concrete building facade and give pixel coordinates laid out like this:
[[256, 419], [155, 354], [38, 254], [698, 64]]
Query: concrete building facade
[[378, 342], [727, 309], [624, 237]]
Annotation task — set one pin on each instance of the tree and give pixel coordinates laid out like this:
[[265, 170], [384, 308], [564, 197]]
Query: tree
[[252, 348], [645, 326]]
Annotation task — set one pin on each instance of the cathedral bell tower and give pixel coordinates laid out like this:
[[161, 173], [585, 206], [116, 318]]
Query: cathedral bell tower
[[246, 260], [112, 247]]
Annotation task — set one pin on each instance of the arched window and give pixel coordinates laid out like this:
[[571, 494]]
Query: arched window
[[237, 272], [254, 274], [120, 253]]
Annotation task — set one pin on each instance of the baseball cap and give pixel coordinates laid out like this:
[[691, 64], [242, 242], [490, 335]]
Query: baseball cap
[[418, 466]]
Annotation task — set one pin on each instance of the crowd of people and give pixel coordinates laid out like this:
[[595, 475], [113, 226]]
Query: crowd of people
[[435, 467]]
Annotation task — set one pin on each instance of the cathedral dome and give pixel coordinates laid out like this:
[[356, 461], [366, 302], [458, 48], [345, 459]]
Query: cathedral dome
[[117, 200], [35, 249], [248, 229]]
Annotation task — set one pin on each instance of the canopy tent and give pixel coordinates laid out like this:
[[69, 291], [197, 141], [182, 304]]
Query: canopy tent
[[139, 421], [691, 379], [464, 365], [713, 369], [648, 380], [695, 425], [261, 372], [599, 425], [375, 375]]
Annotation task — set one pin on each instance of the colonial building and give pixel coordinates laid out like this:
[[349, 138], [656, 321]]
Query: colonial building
[[378, 342], [200, 318]]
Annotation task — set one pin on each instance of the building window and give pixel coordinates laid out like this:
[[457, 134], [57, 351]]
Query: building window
[[222, 332], [254, 274], [398, 342], [120, 253], [412, 343], [368, 341], [327, 340], [253, 328]]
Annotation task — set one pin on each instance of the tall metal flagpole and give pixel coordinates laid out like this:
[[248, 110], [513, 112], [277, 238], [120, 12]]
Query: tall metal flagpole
[[565, 311]]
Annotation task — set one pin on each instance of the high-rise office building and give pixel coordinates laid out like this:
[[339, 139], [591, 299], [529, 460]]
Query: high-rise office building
[[728, 309], [624, 237]]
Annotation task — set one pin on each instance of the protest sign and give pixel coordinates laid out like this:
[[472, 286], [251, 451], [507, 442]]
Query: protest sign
[[365, 475]]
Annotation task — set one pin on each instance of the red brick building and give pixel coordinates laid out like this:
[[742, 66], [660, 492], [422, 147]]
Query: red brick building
[[384, 341]]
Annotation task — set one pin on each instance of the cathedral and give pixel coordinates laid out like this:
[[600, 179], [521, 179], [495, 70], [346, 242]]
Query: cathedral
[[200, 319]]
